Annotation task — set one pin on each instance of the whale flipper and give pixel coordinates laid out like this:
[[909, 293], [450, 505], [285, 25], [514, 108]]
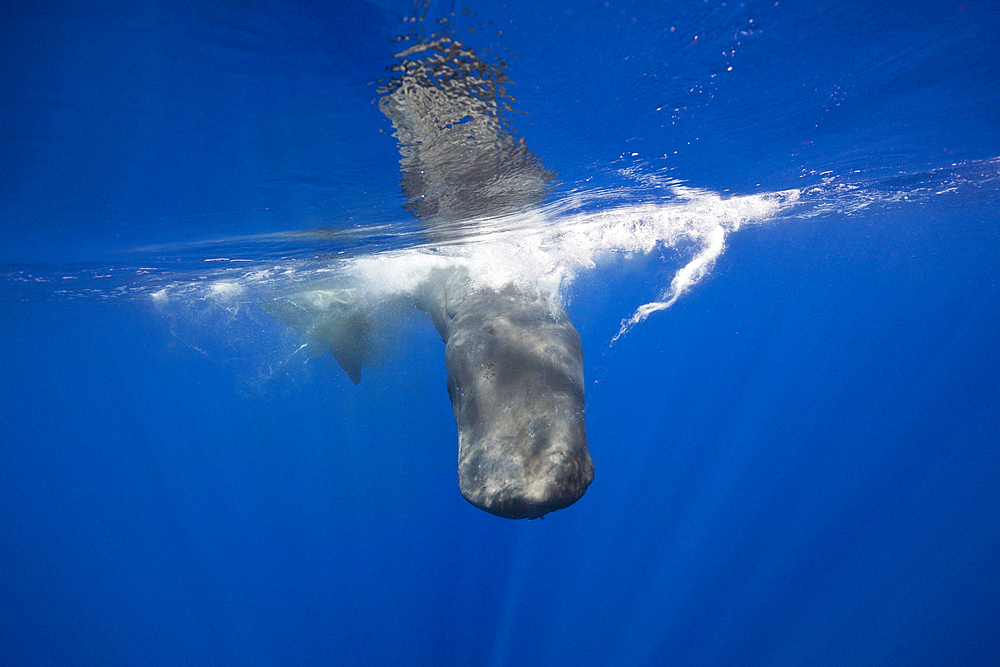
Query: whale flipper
[[332, 318]]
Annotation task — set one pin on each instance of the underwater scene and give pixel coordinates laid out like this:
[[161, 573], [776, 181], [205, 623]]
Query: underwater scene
[[500, 333]]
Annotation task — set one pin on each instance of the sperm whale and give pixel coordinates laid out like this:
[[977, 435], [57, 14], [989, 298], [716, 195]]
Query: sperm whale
[[513, 358]]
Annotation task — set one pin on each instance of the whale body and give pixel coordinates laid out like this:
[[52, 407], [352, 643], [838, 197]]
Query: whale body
[[515, 380], [514, 359]]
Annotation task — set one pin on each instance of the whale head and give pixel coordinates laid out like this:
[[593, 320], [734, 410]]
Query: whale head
[[515, 379]]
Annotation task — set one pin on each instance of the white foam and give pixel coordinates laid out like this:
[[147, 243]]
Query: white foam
[[543, 249], [223, 290], [392, 273], [546, 249]]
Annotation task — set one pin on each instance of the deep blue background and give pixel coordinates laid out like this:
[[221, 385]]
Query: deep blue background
[[796, 464]]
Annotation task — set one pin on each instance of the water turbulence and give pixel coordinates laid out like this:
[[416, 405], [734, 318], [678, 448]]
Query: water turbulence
[[491, 274]]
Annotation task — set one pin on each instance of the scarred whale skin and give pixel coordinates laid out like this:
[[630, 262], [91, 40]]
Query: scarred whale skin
[[515, 379]]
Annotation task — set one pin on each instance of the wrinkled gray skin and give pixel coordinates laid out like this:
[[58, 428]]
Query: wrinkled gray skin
[[515, 379], [514, 361]]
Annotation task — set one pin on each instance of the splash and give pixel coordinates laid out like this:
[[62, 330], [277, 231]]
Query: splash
[[546, 249], [543, 250]]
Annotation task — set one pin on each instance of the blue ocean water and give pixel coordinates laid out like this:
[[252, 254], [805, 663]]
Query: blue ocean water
[[796, 440]]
